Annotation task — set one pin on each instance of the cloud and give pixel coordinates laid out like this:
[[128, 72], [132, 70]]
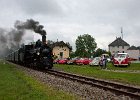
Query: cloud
[[42, 7], [67, 19]]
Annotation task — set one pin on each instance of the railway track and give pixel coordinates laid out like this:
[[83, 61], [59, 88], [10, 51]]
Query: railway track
[[116, 88]]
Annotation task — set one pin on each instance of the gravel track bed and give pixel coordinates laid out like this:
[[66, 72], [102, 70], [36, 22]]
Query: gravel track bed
[[86, 92]]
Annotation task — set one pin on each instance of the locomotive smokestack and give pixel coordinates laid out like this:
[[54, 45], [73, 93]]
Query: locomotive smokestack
[[43, 39]]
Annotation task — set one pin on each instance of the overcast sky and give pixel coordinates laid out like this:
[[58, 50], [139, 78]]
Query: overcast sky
[[67, 19]]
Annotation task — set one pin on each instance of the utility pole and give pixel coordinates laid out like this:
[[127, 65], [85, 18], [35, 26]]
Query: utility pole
[[122, 32]]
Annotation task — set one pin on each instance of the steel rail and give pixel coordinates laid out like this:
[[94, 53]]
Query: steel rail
[[116, 88]]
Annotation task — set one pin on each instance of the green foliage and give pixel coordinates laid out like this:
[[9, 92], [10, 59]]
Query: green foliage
[[85, 45], [99, 52], [15, 85], [72, 54]]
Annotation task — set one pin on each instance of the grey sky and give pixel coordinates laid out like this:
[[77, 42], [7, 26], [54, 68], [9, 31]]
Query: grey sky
[[67, 19]]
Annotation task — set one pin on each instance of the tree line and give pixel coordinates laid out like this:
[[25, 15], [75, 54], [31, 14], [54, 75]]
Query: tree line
[[85, 47]]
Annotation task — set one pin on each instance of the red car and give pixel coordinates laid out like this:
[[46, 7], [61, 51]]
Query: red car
[[62, 61], [72, 61], [83, 61], [56, 61]]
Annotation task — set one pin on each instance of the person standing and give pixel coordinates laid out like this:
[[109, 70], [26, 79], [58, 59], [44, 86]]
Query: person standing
[[104, 59], [101, 62]]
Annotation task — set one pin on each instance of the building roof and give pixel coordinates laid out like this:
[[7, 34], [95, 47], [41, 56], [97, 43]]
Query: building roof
[[60, 43], [119, 42], [133, 48]]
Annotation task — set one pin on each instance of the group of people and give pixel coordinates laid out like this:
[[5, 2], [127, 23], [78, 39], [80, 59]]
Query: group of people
[[103, 62]]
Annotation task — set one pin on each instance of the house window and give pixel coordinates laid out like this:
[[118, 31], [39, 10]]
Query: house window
[[122, 47], [61, 54], [118, 46]]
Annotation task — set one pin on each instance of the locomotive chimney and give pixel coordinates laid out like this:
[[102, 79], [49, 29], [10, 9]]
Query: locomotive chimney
[[43, 39]]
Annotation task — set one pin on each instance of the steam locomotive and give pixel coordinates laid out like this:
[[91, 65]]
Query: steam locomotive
[[38, 55]]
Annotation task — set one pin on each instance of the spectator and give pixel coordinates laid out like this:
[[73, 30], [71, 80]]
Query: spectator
[[104, 61], [101, 62]]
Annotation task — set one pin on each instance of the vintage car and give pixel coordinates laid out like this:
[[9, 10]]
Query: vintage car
[[95, 62], [56, 61], [121, 59], [63, 61], [83, 61], [72, 61]]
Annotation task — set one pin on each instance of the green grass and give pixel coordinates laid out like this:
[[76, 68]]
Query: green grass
[[133, 66], [15, 85], [86, 70]]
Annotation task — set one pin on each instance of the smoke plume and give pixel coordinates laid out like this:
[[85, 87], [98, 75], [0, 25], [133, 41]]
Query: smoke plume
[[30, 24], [11, 39]]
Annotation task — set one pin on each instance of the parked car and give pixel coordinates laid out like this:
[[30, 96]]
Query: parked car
[[83, 61], [121, 59], [63, 61], [56, 61], [72, 61], [95, 62]]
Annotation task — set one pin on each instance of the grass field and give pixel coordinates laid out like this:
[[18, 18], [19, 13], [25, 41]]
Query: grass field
[[133, 66], [86, 70], [15, 85]]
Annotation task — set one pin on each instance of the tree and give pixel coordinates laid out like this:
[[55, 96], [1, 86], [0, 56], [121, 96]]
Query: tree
[[85, 45], [72, 54], [99, 52]]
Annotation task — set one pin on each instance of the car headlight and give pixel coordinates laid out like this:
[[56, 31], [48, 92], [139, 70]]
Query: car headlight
[[38, 53]]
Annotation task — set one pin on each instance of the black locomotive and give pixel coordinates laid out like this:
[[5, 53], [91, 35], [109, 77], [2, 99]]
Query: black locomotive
[[38, 55]]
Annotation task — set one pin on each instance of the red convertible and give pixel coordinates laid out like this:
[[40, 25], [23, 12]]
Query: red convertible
[[62, 61], [83, 61]]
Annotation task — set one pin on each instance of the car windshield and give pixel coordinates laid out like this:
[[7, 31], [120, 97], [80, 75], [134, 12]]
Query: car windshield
[[120, 55], [97, 58]]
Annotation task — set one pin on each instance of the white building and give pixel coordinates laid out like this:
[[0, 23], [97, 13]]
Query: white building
[[118, 45], [134, 52]]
